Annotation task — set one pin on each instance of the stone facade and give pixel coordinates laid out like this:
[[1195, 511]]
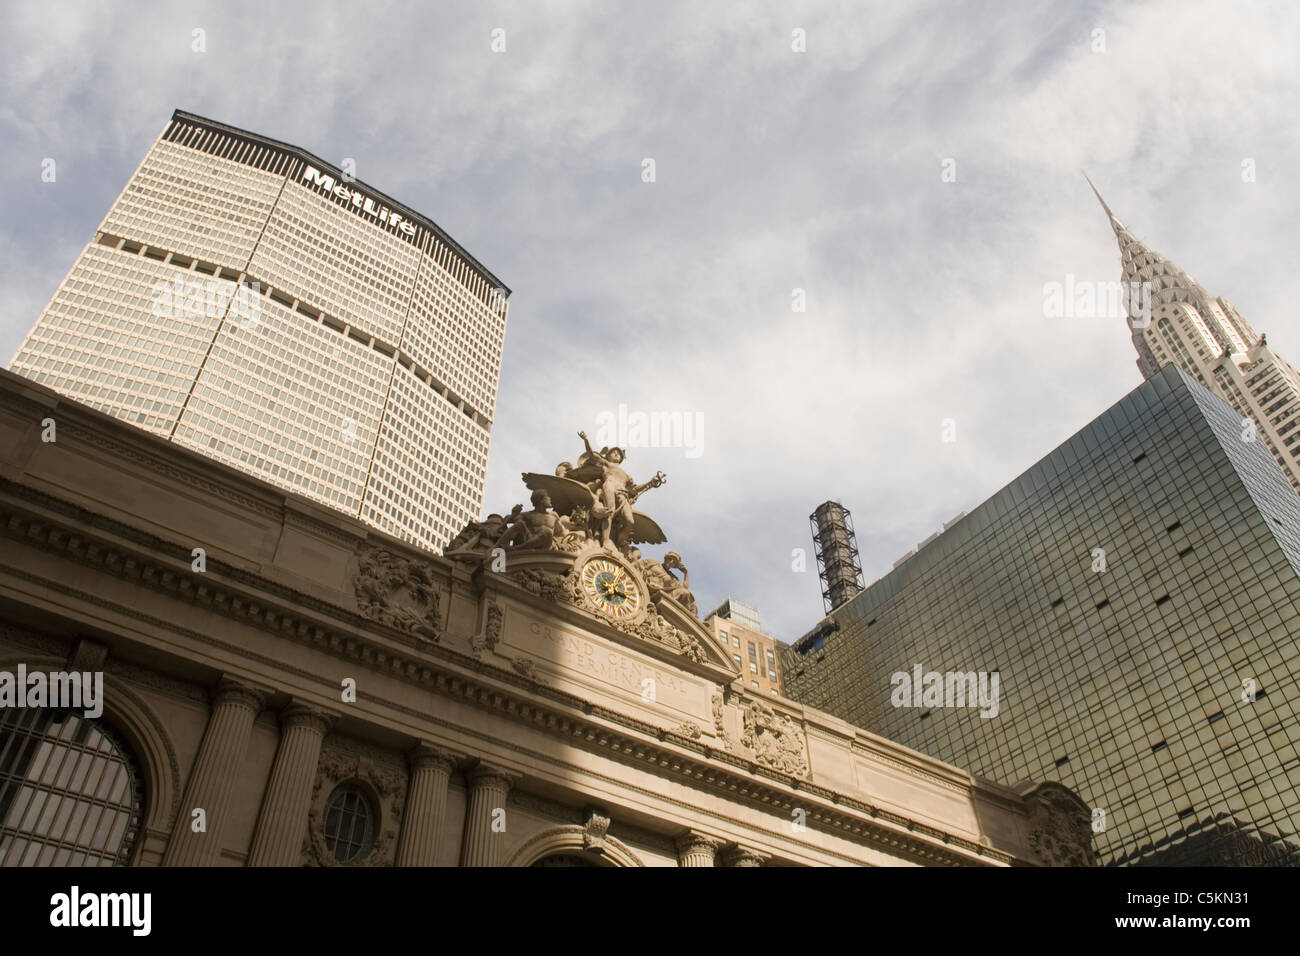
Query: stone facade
[[473, 716]]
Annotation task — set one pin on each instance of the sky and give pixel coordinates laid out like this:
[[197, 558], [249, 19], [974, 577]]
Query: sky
[[837, 263]]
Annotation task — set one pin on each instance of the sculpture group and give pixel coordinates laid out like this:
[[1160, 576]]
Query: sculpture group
[[587, 506]]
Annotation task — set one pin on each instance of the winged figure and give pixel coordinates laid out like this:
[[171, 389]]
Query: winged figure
[[621, 528]]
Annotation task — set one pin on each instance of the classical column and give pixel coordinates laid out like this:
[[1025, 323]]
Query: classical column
[[235, 705], [488, 788], [737, 855], [696, 849], [426, 802], [283, 820]]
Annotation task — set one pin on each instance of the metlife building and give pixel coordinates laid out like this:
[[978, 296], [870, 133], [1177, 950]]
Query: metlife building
[[258, 305]]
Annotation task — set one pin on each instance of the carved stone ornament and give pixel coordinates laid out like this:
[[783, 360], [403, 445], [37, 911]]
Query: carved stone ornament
[[386, 784], [776, 740], [595, 829], [719, 725], [525, 666], [399, 592], [1060, 826], [544, 584], [490, 636]]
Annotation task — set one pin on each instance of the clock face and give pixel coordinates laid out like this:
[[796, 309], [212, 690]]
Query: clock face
[[611, 588]]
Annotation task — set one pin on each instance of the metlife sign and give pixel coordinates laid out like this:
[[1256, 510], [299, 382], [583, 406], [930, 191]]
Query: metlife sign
[[363, 205]]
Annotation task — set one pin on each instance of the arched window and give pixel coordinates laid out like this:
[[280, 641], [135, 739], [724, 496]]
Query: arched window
[[349, 829], [71, 791]]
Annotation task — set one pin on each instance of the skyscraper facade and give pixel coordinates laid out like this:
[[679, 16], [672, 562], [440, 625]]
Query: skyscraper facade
[[1137, 596], [248, 300], [739, 629], [1174, 321]]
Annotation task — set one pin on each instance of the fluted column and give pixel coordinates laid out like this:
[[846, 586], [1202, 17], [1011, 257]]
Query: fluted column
[[696, 849], [426, 803], [488, 788], [235, 705], [736, 855], [283, 820]]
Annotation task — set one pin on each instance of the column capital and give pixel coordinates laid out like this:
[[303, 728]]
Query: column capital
[[693, 841], [299, 713], [233, 690], [737, 855], [487, 775], [428, 756]]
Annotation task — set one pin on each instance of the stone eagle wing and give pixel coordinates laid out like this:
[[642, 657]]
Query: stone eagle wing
[[645, 530], [565, 494]]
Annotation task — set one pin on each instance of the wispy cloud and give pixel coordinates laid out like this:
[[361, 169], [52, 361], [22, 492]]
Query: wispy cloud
[[775, 171]]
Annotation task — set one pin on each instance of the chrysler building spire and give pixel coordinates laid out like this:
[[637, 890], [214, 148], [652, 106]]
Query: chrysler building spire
[[1174, 321]]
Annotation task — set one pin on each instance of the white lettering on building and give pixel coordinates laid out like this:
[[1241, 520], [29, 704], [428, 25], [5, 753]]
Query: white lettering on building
[[359, 201]]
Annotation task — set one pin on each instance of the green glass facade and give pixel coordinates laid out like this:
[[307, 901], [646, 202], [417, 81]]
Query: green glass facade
[[1133, 591]]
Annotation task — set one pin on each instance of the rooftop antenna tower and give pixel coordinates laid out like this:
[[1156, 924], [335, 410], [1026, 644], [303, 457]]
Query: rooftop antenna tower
[[836, 548]]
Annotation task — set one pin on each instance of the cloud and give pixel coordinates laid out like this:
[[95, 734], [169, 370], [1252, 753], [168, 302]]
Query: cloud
[[775, 171]]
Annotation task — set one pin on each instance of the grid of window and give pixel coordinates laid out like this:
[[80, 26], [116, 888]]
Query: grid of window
[[430, 464], [375, 396], [190, 202], [456, 336], [102, 342], [70, 791], [328, 256], [349, 828], [291, 401], [1127, 681]]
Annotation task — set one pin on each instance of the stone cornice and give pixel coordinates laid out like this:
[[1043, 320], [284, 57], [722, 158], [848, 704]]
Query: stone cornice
[[283, 612]]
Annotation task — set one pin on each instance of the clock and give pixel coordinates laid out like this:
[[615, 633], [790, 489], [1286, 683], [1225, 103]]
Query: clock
[[611, 588]]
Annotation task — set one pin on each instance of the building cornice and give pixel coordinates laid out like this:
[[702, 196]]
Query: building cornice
[[102, 543]]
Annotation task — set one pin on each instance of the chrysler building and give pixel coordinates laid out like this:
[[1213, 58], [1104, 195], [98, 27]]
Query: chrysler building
[[1174, 321]]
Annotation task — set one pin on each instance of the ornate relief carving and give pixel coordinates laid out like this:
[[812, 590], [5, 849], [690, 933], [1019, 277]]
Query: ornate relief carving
[[490, 636], [399, 592], [595, 829], [1060, 826], [776, 740], [688, 729], [547, 584], [719, 724], [387, 782], [654, 627], [525, 666]]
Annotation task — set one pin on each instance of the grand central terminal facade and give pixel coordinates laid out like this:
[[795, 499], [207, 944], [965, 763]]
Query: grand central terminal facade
[[284, 685]]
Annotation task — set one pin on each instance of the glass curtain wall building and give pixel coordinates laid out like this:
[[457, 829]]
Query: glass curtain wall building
[[1137, 593], [252, 302]]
